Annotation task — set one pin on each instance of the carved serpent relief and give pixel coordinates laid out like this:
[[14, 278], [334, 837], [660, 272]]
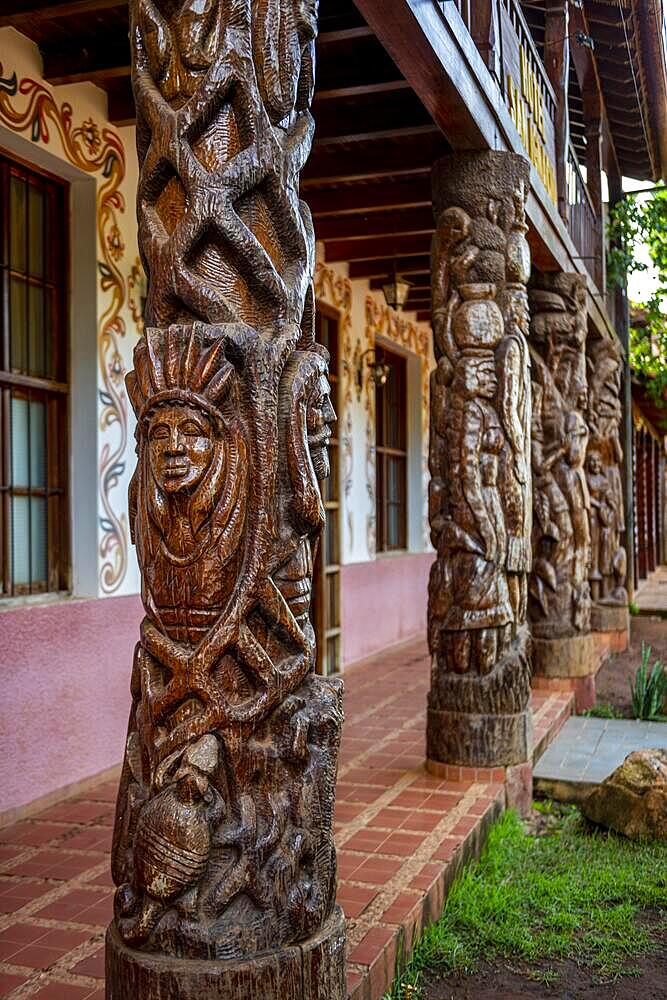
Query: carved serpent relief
[[223, 846], [560, 604], [480, 506]]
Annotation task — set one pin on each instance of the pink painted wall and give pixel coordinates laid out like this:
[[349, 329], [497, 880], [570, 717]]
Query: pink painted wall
[[383, 603], [65, 671]]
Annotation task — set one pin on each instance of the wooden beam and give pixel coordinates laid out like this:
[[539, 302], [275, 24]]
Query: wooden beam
[[378, 247], [557, 64], [390, 134], [91, 59], [120, 102], [378, 267], [411, 193], [417, 283], [424, 316], [379, 159], [341, 93], [362, 226], [25, 12]]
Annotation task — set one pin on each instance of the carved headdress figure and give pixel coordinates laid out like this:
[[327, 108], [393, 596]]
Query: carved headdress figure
[[223, 845]]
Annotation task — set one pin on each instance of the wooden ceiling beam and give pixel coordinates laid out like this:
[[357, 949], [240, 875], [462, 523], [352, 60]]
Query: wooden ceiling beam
[[417, 283], [351, 199], [424, 316], [390, 134], [380, 159], [379, 268], [20, 13], [362, 225], [91, 60], [379, 247]]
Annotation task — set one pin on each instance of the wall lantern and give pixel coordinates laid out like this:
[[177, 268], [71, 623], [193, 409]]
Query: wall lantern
[[396, 291], [377, 372]]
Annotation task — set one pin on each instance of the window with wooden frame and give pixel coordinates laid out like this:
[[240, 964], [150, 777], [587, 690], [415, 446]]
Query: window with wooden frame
[[325, 608], [391, 454], [34, 536]]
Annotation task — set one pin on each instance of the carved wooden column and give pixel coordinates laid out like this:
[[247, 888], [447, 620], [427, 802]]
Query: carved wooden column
[[604, 474], [560, 601], [480, 496], [223, 852]]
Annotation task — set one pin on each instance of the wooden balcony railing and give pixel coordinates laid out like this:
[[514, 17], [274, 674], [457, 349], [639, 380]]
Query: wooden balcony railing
[[505, 42], [582, 220]]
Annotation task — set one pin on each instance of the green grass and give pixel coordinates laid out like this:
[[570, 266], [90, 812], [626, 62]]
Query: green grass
[[567, 893], [603, 710]]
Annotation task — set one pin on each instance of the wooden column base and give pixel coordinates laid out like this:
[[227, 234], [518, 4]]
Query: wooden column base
[[471, 740], [572, 656], [314, 970], [609, 618]]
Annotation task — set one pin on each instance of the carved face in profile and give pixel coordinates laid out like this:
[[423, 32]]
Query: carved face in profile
[[480, 378], [181, 445], [320, 415], [576, 434]]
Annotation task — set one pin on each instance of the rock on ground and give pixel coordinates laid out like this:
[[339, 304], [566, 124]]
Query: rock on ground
[[633, 800]]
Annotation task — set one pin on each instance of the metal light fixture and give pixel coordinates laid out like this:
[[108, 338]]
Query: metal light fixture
[[586, 41], [396, 291], [377, 371]]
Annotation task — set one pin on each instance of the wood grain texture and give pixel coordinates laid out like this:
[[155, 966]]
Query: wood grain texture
[[560, 601], [604, 475], [223, 845], [480, 494]]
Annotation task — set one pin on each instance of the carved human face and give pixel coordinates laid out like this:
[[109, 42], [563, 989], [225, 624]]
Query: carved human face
[[594, 463], [481, 379], [320, 415], [576, 433], [180, 442]]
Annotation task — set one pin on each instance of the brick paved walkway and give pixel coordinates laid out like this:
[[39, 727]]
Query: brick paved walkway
[[401, 835]]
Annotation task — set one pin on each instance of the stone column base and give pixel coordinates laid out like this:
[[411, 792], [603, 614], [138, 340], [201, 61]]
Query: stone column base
[[471, 740], [313, 970]]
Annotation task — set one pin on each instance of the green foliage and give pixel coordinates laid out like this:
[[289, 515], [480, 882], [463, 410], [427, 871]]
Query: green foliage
[[603, 710], [642, 219], [649, 688], [567, 894], [633, 608]]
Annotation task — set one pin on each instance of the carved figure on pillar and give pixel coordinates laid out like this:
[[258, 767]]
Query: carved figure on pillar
[[604, 472], [480, 504], [223, 852], [560, 602]]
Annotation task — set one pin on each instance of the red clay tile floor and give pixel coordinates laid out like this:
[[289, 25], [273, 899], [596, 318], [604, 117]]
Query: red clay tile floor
[[402, 836]]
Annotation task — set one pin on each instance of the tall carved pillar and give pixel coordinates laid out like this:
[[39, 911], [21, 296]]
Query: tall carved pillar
[[560, 600], [480, 496], [223, 852], [604, 474]]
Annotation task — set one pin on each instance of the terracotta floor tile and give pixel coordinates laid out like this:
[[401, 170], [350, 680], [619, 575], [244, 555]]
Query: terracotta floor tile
[[402, 844], [91, 966], [377, 871], [421, 821], [61, 937], [62, 991], [36, 956], [73, 905], [371, 945], [399, 909], [22, 933], [9, 983], [31, 834], [366, 840], [79, 812]]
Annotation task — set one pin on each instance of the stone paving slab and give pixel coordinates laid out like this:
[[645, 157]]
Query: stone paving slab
[[402, 836], [651, 595], [587, 751]]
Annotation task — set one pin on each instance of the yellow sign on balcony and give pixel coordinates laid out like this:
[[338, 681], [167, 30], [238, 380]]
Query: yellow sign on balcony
[[526, 106]]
